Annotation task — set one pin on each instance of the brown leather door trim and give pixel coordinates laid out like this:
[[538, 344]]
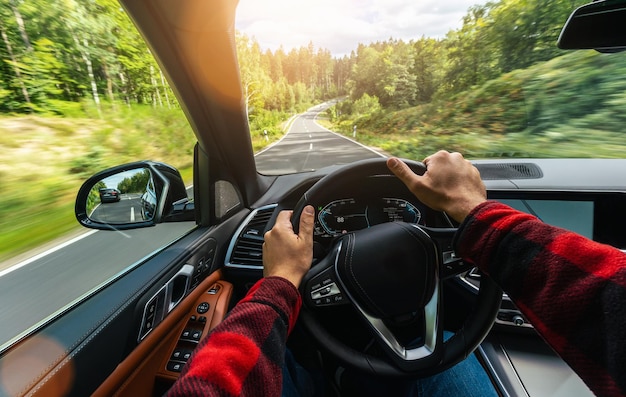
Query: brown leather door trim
[[137, 373]]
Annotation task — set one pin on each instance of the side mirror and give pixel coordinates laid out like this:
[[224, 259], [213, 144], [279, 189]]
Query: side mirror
[[133, 195], [598, 25]]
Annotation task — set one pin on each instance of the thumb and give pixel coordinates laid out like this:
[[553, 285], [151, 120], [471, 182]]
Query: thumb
[[306, 223], [404, 173]]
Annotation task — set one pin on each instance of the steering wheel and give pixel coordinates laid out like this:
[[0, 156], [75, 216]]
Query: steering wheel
[[390, 271]]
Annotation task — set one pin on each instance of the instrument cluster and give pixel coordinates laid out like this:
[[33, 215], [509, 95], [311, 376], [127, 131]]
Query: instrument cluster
[[350, 214]]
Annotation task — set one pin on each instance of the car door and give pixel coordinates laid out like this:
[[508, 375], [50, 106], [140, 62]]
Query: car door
[[131, 334]]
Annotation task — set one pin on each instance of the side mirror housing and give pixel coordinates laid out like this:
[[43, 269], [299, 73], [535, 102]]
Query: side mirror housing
[[133, 195], [598, 25]]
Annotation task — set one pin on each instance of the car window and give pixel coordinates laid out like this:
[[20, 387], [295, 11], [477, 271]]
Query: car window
[[79, 92]]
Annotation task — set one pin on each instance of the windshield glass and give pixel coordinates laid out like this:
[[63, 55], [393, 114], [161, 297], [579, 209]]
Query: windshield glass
[[408, 78]]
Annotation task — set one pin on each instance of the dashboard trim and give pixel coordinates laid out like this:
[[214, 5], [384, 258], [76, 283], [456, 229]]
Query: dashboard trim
[[237, 235]]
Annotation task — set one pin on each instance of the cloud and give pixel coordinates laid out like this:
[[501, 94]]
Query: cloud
[[339, 25]]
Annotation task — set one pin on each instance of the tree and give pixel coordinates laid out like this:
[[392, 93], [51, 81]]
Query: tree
[[399, 83], [427, 68], [366, 73]]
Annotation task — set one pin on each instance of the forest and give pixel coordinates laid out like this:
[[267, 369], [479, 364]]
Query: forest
[[79, 54]]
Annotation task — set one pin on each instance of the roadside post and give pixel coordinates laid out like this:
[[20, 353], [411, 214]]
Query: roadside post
[[354, 131]]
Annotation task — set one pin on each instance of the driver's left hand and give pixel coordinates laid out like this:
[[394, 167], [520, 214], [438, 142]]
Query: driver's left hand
[[286, 254]]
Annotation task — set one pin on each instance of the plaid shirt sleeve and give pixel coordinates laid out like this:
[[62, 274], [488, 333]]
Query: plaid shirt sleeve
[[573, 290], [244, 354]]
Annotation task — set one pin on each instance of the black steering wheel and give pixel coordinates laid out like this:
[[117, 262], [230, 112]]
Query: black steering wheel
[[389, 271]]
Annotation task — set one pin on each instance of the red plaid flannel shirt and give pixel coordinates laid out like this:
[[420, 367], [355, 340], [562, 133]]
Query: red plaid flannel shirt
[[572, 290]]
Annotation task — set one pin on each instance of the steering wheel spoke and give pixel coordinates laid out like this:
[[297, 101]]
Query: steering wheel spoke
[[321, 287], [427, 352], [451, 264]]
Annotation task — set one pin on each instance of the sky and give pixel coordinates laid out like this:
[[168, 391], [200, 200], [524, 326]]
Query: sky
[[339, 25]]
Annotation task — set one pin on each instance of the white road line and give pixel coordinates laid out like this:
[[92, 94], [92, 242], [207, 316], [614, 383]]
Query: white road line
[[292, 120], [132, 214], [344, 137], [310, 146], [48, 252]]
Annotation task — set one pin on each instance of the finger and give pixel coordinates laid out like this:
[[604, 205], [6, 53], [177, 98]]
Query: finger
[[306, 223], [284, 218], [404, 173]]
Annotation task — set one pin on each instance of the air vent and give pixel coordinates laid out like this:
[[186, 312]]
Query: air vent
[[246, 249], [509, 171]]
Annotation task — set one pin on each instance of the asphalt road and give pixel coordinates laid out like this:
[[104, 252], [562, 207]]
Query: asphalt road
[[35, 289], [307, 146], [76, 267], [128, 209]]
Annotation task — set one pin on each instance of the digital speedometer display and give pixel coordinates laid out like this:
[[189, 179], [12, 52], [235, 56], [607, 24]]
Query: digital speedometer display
[[346, 215]]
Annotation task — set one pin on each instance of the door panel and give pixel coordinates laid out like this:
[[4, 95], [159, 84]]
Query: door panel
[[84, 346], [148, 363]]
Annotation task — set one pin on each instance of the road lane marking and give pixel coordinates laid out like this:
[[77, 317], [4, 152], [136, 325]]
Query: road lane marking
[[45, 253], [132, 214], [310, 146], [346, 138]]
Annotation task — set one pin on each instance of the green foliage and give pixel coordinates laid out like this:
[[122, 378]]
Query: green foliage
[[72, 50], [280, 82], [135, 184], [569, 106], [266, 127], [93, 199], [88, 164], [366, 106], [43, 169]]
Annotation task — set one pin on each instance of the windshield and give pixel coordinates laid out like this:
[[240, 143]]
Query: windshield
[[409, 78]]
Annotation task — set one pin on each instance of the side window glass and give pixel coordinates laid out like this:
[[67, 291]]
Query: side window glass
[[79, 93]]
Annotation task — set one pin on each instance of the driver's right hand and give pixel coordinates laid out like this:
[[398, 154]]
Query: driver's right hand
[[451, 183]]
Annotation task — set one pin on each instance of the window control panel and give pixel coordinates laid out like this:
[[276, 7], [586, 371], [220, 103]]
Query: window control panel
[[198, 324], [187, 342]]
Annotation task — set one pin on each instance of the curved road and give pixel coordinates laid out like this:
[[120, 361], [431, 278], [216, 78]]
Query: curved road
[[76, 267], [308, 146]]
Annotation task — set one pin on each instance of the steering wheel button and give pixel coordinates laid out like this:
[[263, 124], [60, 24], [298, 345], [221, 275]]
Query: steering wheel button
[[328, 290]]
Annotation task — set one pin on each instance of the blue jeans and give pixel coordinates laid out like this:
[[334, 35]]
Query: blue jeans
[[467, 378]]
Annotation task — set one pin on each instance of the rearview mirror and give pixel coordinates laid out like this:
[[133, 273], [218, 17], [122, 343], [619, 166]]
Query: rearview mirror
[[132, 196], [598, 25]]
